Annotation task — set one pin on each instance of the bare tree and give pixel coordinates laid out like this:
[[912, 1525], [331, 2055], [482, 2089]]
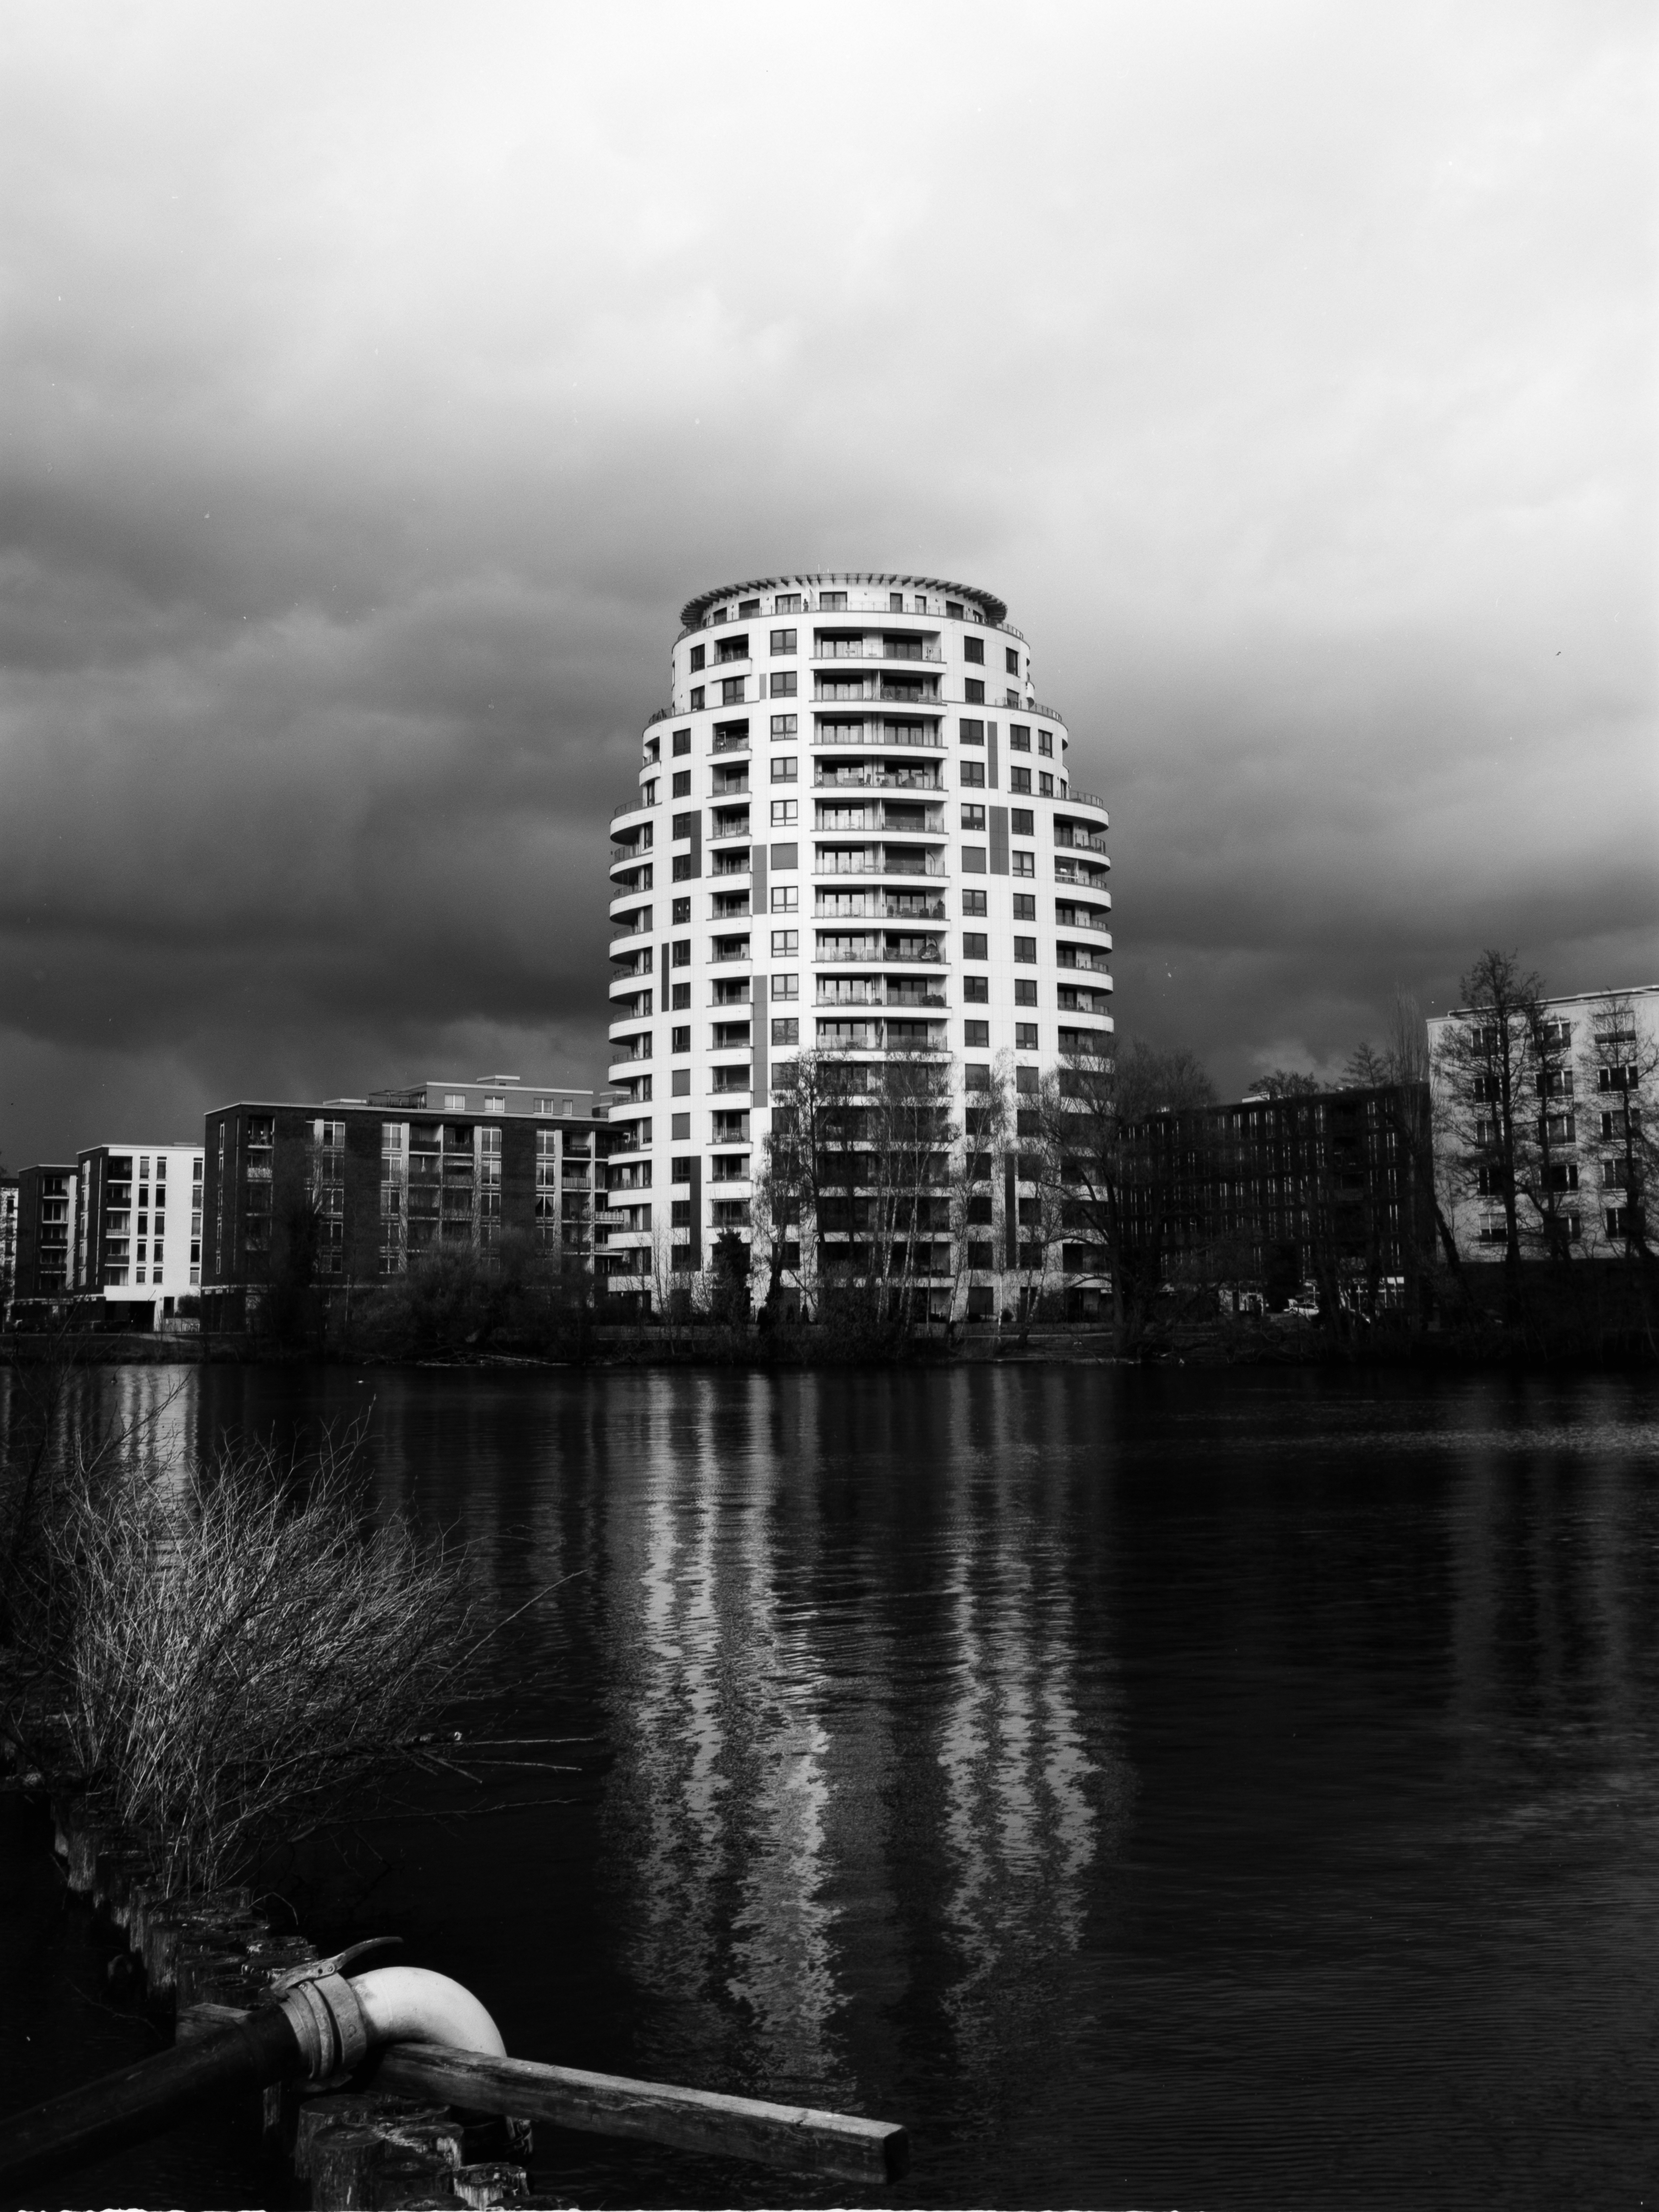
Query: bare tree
[[1481, 1080], [1107, 1163]]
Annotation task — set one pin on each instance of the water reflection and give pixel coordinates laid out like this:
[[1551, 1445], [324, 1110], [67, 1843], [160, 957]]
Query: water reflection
[[1199, 1789]]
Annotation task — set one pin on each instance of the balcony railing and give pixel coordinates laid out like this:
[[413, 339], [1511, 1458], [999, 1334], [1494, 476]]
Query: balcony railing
[[1080, 840], [862, 867], [872, 955], [861, 648], [722, 954], [873, 996], [880, 909], [1078, 872], [661, 714], [1044, 714], [725, 742], [724, 833], [878, 733], [1086, 797]]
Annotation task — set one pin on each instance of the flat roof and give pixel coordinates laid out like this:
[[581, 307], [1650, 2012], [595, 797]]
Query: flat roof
[[996, 609]]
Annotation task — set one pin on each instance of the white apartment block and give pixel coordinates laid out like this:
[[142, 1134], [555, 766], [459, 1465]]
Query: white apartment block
[[855, 830], [138, 1229], [1588, 1082]]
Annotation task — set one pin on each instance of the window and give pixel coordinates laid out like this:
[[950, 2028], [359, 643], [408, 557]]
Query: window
[[1020, 778], [976, 1074], [1010, 660], [696, 658], [681, 911], [786, 987], [783, 640], [683, 825], [973, 691], [971, 732], [1020, 820], [1045, 786], [976, 944], [454, 1102], [977, 1033], [976, 990], [681, 997], [783, 684], [973, 817], [495, 1106], [680, 1085], [1026, 990], [784, 810], [973, 648], [1019, 737], [1024, 907], [731, 690], [680, 954], [896, 603], [1025, 948], [787, 603], [786, 898], [679, 1213], [682, 785], [786, 1030], [1045, 742], [1026, 1040], [953, 610], [785, 943], [696, 698], [833, 603], [973, 775], [1024, 864], [784, 725], [973, 860], [747, 607], [679, 1170], [973, 902]]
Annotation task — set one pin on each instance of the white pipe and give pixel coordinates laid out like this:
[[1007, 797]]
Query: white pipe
[[409, 2004]]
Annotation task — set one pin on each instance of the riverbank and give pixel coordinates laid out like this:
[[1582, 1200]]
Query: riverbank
[[1257, 1340]]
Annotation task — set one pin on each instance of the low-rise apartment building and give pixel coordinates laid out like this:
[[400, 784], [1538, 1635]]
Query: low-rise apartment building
[[45, 1238], [8, 1242], [1553, 1111], [355, 1191], [137, 1248], [1329, 1191]]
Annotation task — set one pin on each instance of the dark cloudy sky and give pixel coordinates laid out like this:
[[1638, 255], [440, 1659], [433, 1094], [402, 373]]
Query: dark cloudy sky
[[377, 381]]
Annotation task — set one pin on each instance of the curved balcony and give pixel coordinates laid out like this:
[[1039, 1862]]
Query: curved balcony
[[1090, 798], [631, 808], [876, 650], [881, 733]]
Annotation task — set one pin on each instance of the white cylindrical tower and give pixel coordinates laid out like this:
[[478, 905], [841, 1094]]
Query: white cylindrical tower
[[855, 835]]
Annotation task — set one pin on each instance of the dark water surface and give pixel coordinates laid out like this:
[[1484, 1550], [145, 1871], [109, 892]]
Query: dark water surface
[[1194, 1790]]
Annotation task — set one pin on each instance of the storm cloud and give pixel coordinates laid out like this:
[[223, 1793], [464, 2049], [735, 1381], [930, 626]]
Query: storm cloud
[[376, 383]]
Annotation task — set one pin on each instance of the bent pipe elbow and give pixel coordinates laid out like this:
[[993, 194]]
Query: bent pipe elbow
[[336, 2022], [411, 2004]]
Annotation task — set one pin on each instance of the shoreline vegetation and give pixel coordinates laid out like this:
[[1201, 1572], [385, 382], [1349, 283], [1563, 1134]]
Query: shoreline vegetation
[[1598, 1319]]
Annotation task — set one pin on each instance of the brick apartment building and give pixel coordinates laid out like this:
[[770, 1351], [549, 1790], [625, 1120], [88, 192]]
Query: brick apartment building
[[375, 1184]]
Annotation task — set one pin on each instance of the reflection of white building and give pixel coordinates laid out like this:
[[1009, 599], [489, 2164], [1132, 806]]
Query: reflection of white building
[[1586, 1085], [138, 1232], [855, 831], [724, 1793], [796, 1826]]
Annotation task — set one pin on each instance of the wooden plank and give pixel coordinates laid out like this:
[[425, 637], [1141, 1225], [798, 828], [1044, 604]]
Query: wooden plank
[[652, 2112]]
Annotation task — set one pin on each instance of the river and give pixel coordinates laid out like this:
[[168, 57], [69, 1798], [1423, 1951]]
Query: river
[[1187, 1788]]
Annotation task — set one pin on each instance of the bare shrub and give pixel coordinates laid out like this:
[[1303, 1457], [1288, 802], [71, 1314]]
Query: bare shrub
[[246, 1648]]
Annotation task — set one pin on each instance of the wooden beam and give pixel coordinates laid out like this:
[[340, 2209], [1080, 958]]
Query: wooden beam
[[791, 2136]]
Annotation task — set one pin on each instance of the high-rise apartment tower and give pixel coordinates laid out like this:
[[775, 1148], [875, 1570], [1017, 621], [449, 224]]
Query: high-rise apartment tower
[[856, 834]]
